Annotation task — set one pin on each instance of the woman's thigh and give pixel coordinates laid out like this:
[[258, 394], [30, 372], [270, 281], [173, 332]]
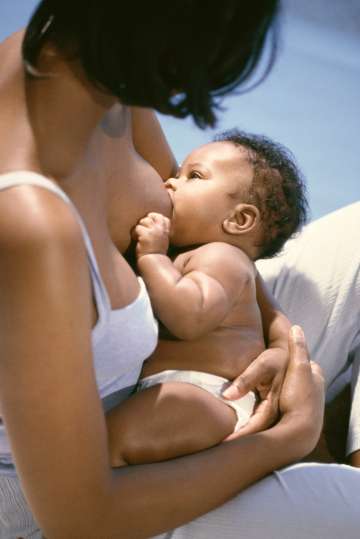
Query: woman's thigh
[[317, 282], [298, 502]]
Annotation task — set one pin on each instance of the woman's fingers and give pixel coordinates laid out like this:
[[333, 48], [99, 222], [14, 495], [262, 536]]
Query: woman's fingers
[[297, 344], [318, 376], [299, 353], [316, 369], [303, 388]]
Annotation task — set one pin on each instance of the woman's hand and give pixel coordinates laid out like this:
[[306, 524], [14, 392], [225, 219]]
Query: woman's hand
[[302, 398], [265, 376], [266, 373]]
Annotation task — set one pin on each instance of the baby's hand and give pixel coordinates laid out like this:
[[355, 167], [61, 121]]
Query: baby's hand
[[152, 234]]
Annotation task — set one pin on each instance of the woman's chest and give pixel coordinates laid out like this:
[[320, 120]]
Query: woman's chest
[[133, 186], [122, 188]]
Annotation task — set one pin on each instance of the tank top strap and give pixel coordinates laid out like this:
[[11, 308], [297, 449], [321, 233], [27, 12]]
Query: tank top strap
[[25, 177]]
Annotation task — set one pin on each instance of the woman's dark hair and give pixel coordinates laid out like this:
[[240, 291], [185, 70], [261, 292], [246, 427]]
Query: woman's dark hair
[[277, 189], [145, 52]]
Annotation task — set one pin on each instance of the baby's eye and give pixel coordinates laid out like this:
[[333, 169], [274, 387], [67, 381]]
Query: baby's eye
[[195, 174]]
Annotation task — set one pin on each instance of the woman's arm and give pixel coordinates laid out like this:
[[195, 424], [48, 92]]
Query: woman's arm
[[52, 410]]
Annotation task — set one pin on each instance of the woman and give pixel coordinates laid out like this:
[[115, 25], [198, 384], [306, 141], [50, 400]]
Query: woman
[[67, 154]]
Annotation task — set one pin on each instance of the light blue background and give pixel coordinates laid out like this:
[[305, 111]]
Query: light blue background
[[310, 102]]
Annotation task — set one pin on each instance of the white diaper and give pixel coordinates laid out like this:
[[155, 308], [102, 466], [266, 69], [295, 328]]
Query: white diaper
[[215, 385]]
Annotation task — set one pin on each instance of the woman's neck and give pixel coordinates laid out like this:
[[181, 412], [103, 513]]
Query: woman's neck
[[64, 110]]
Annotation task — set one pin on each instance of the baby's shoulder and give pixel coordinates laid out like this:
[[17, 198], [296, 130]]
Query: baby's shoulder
[[219, 257], [224, 253]]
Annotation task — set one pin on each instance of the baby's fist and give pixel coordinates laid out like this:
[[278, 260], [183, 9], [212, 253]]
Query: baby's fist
[[152, 233]]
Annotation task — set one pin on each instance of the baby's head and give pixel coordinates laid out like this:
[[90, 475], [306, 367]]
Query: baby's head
[[241, 189]]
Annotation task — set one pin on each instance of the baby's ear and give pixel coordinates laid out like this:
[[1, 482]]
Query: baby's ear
[[242, 219]]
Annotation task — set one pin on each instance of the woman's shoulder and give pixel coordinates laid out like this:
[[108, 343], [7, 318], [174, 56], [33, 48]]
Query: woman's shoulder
[[31, 215]]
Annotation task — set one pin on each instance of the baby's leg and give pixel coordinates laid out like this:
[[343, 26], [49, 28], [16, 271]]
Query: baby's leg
[[166, 421]]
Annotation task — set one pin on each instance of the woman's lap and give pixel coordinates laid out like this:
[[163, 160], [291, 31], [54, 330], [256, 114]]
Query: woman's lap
[[298, 502], [16, 519], [317, 283]]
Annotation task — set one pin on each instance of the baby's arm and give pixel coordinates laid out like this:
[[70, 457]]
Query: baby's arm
[[192, 298]]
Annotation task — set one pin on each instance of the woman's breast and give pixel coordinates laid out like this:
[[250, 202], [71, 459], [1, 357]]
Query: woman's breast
[[140, 191], [122, 340], [135, 187]]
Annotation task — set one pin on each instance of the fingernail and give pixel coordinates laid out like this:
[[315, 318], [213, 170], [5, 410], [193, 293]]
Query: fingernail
[[231, 392], [297, 334]]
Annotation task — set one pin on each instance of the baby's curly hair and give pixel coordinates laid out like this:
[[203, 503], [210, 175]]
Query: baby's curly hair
[[277, 190]]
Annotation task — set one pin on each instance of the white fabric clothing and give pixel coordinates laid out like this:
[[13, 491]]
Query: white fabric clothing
[[118, 355], [16, 519], [317, 283], [211, 383], [305, 501], [118, 351]]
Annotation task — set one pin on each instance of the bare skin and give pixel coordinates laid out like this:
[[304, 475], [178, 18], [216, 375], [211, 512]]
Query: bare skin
[[55, 126], [205, 297], [178, 419]]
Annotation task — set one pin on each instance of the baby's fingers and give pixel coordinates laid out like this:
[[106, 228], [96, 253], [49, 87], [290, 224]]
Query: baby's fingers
[[156, 217], [146, 221], [139, 231], [160, 220]]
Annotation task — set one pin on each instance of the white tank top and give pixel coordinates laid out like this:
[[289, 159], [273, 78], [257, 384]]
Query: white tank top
[[122, 338]]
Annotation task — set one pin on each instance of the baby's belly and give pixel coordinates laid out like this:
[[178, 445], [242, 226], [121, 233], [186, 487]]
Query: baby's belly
[[226, 353]]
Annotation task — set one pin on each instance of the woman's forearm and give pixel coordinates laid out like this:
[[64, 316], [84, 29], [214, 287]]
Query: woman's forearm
[[147, 500]]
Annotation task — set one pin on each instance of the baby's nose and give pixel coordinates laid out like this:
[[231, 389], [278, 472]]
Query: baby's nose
[[171, 184]]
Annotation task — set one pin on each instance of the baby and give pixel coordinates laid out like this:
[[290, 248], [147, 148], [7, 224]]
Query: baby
[[234, 200]]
